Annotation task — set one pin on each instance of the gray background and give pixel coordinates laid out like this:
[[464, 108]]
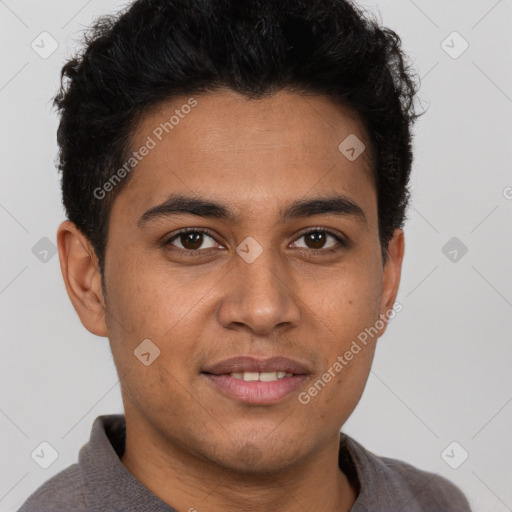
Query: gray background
[[442, 370]]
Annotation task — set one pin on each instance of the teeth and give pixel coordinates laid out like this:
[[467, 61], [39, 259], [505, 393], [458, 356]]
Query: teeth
[[268, 376], [263, 376]]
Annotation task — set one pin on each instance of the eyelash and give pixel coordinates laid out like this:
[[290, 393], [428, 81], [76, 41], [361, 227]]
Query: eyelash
[[342, 242]]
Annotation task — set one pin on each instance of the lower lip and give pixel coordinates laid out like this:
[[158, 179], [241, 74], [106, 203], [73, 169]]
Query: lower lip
[[256, 392]]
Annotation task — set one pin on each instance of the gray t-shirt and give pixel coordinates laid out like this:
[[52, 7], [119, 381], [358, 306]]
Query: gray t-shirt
[[101, 483]]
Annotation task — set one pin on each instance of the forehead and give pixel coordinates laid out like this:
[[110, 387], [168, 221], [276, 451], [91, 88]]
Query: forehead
[[227, 121], [225, 145]]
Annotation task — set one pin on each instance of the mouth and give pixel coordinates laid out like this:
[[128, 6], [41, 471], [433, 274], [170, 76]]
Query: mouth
[[261, 376], [256, 381]]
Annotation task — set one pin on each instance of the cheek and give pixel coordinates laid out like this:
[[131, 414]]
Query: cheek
[[349, 299], [332, 395], [336, 401], [145, 304], [148, 299], [345, 308]]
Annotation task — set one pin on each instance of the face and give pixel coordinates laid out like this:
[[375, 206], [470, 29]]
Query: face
[[283, 262]]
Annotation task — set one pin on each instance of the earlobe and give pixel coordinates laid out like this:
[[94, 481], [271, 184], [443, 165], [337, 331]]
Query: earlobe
[[82, 278], [392, 273]]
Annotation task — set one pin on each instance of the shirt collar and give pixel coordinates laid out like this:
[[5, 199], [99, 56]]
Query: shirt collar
[[109, 485]]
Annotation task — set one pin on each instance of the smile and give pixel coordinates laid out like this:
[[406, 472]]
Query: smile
[[262, 376], [255, 388]]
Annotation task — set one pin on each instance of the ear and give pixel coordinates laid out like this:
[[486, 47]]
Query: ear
[[392, 274], [80, 271]]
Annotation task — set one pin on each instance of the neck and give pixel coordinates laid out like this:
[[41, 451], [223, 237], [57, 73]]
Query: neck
[[190, 483]]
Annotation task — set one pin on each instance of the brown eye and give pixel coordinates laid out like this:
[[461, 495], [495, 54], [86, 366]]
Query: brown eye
[[192, 240], [317, 239]]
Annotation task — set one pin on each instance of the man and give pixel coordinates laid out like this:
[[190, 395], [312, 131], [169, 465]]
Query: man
[[235, 180]]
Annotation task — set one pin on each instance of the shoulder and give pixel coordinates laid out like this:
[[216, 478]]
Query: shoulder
[[61, 493], [431, 490], [393, 483]]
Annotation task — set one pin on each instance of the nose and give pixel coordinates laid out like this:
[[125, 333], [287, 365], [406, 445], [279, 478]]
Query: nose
[[259, 296]]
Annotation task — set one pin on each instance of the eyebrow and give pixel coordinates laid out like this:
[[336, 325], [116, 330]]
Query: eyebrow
[[177, 204]]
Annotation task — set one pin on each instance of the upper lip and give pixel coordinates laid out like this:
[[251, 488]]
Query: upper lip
[[253, 364]]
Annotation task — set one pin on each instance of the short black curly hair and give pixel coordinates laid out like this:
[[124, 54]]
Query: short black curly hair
[[155, 50]]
